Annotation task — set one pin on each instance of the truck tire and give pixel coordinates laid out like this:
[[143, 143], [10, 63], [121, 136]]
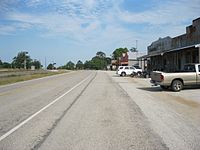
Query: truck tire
[[177, 85], [123, 74]]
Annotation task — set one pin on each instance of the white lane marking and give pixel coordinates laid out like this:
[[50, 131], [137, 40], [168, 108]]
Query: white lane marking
[[45, 107]]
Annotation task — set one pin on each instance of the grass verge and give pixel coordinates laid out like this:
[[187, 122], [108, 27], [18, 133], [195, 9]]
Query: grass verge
[[17, 78]]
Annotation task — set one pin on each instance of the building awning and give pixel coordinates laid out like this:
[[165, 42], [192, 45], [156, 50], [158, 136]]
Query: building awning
[[181, 48], [173, 50], [168, 51], [143, 57]]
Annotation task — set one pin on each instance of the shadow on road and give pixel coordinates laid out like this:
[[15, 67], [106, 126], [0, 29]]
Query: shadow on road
[[158, 89], [191, 87], [118, 76], [151, 89]]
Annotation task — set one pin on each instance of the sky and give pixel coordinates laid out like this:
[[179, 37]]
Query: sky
[[64, 30]]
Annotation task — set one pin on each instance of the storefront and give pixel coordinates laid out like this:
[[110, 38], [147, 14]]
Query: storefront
[[174, 60]]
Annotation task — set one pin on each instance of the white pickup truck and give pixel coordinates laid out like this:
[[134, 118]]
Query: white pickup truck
[[177, 80]]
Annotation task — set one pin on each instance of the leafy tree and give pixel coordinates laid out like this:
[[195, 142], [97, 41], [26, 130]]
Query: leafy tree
[[70, 65], [100, 54], [118, 52], [87, 65], [98, 62], [1, 63], [108, 60], [36, 63], [133, 49], [62, 67], [79, 65], [51, 66], [95, 63], [6, 65], [20, 60]]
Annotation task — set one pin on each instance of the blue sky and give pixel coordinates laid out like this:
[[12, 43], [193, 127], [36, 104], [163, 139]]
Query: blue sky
[[63, 30]]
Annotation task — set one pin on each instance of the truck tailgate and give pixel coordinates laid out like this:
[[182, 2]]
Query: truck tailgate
[[155, 76]]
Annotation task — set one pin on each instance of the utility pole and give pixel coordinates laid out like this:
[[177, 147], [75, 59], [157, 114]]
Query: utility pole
[[136, 44], [25, 63], [25, 60], [45, 63]]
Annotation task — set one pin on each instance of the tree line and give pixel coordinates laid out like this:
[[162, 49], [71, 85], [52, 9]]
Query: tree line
[[99, 62], [22, 60]]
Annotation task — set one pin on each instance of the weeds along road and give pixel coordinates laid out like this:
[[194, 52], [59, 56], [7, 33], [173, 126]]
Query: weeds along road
[[93, 111]]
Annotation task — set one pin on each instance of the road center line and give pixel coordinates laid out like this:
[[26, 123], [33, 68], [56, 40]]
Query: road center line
[[38, 112]]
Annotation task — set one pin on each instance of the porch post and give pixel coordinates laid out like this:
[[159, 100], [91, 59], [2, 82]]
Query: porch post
[[198, 46], [199, 54]]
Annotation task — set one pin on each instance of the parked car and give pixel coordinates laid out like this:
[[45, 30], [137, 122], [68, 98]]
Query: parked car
[[137, 69], [176, 81], [125, 70], [143, 74]]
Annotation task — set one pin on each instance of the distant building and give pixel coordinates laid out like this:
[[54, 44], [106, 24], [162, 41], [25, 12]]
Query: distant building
[[32, 67], [123, 60], [128, 59], [133, 59]]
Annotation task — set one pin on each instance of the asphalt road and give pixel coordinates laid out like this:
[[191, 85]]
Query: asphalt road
[[88, 110]]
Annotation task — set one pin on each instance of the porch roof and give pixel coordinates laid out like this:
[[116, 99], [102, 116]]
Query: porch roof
[[168, 51], [175, 49]]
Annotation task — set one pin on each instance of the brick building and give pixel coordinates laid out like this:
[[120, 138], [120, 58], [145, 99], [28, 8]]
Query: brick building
[[127, 59]]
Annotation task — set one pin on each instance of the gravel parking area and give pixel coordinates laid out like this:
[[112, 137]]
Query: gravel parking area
[[175, 116]]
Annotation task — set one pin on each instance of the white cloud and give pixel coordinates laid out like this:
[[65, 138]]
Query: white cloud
[[6, 30], [24, 17], [100, 22], [10, 29], [172, 12], [31, 3]]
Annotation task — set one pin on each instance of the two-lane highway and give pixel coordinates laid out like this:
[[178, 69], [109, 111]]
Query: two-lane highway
[[81, 110], [22, 101]]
